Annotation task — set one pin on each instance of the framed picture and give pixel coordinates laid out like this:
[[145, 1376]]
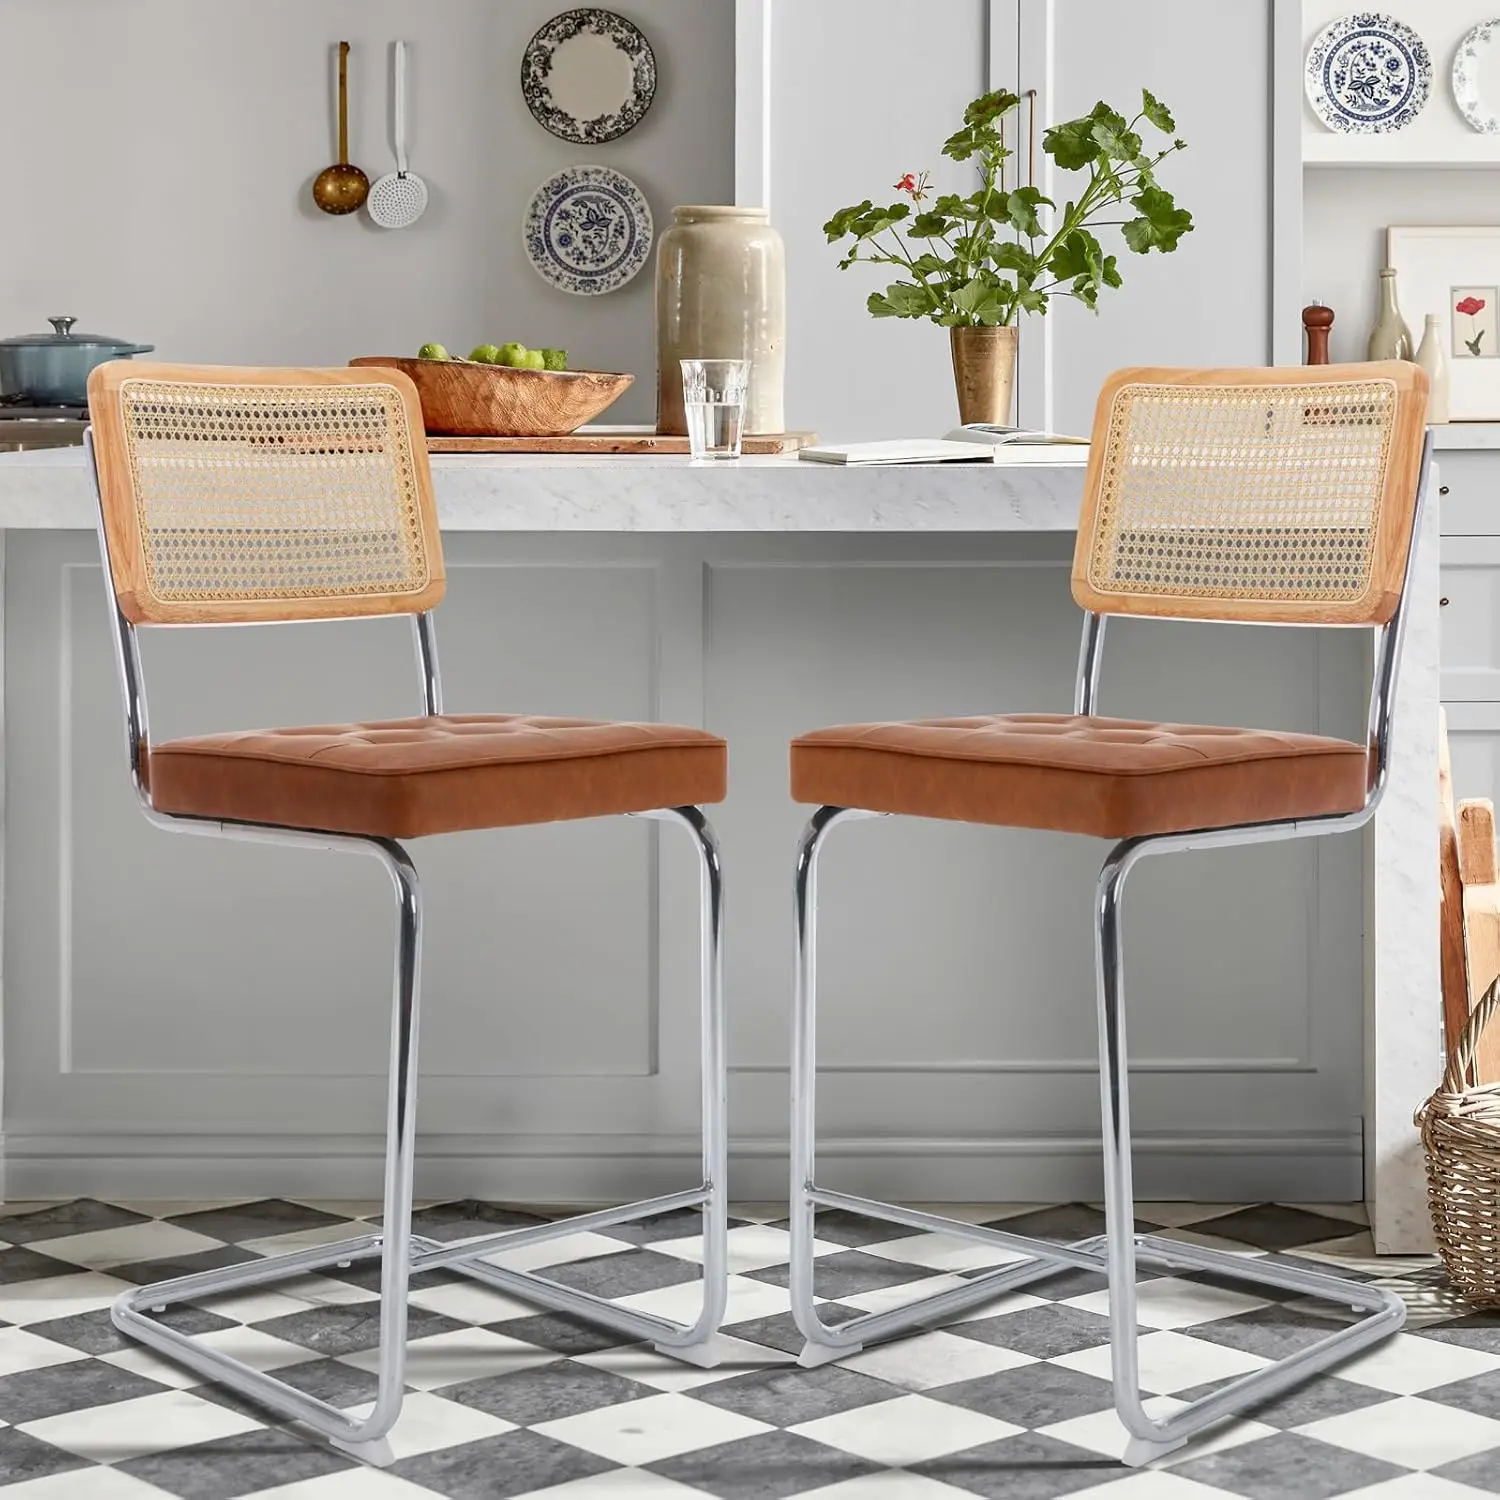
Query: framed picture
[[1455, 273]]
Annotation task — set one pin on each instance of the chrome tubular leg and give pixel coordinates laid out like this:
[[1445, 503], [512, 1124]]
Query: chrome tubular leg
[[823, 1342], [400, 1147], [694, 1343], [1148, 1439], [365, 1437]]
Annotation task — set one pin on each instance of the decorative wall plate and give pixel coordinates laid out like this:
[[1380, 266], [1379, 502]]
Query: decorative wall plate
[[588, 230], [1476, 77], [1368, 73], [588, 76]]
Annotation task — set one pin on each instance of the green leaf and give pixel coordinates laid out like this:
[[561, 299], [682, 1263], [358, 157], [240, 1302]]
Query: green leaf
[[1086, 290], [1030, 301], [1157, 112], [1011, 255], [960, 146], [1160, 225], [929, 265], [988, 108], [1076, 254], [902, 299], [1116, 142], [843, 221], [985, 299], [1071, 145], [1021, 209], [930, 226], [1110, 274]]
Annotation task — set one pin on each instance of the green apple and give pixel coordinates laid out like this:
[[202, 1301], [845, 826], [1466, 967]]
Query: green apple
[[485, 354], [533, 359], [513, 355], [557, 359], [433, 351]]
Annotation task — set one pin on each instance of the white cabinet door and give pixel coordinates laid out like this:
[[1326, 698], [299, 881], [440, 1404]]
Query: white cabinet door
[[1474, 744], [1471, 619], [857, 93], [1209, 302]]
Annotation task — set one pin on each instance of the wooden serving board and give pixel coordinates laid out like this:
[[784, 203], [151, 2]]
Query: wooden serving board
[[1480, 871], [612, 440]]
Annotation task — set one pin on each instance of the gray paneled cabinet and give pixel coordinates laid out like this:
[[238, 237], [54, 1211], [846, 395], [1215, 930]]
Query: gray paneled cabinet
[[1469, 500]]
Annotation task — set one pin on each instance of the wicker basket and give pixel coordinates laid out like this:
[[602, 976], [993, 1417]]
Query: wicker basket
[[1460, 1127]]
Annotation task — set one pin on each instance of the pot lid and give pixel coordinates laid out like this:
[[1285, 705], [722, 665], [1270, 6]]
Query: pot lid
[[63, 336]]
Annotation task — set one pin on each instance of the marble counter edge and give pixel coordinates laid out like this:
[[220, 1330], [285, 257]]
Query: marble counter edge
[[49, 490]]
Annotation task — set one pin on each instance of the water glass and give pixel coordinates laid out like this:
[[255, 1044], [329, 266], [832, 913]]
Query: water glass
[[713, 396]]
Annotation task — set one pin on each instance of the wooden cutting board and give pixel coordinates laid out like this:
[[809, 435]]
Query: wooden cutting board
[[612, 440], [1453, 966], [1481, 878]]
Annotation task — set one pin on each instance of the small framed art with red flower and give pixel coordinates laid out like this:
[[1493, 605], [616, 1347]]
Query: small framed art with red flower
[[1474, 328]]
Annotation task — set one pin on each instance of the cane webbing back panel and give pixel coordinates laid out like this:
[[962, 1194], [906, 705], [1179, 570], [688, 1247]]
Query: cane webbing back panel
[[239, 495], [1275, 495]]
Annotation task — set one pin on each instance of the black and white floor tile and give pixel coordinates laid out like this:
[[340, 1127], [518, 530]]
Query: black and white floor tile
[[504, 1401]]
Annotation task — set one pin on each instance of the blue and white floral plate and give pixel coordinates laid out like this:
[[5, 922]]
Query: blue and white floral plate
[[588, 230], [1367, 74]]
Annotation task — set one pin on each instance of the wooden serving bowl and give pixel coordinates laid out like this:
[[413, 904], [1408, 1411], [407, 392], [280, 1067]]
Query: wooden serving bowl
[[463, 399]]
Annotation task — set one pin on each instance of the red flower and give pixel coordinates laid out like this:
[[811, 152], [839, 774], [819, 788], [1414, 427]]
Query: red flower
[[1471, 305], [908, 184]]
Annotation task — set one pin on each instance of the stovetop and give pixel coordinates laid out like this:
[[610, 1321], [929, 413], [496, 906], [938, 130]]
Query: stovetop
[[20, 409]]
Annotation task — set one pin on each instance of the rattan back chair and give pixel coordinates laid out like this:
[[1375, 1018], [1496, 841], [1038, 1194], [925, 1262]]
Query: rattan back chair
[[1288, 497], [242, 496]]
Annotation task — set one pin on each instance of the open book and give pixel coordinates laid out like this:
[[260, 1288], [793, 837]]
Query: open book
[[974, 443]]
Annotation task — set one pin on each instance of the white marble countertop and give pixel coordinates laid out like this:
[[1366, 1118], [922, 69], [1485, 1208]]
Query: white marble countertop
[[48, 489]]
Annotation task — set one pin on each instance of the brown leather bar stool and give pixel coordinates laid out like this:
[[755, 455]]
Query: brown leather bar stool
[[1285, 497], [234, 496]]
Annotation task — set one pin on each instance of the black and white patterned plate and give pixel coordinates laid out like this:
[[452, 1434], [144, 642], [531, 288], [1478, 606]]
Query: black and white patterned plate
[[588, 76]]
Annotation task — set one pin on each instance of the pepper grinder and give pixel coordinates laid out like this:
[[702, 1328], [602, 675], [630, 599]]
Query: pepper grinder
[[1317, 322]]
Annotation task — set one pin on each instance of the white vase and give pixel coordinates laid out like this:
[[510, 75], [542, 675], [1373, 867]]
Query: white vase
[[1432, 359], [721, 294]]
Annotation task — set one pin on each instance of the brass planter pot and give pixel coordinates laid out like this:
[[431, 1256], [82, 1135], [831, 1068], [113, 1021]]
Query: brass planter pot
[[984, 373]]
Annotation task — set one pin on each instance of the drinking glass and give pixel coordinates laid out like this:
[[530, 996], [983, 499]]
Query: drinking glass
[[713, 396]]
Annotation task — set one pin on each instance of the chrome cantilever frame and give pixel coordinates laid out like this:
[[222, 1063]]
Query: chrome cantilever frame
[[1117, 1250], [401, 1253]]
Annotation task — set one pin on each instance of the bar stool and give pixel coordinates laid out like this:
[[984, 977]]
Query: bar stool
[[234, 496], [1286, 497]]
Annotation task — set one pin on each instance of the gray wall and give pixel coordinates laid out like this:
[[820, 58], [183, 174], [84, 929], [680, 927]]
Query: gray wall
[[163, 152]]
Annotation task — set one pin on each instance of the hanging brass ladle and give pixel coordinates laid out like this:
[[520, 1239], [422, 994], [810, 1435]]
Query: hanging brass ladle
[[340, 189]]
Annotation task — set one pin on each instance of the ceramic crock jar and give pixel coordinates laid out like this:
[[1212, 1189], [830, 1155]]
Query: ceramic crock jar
[[721, 294]]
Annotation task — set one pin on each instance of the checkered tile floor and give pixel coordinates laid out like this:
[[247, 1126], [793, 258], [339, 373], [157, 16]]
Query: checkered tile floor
[[504, 1401]]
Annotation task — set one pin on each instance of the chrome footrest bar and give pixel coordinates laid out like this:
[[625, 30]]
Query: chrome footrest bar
[[914, 1218], [454, 1252], [461, 1256], [1386, 1311]]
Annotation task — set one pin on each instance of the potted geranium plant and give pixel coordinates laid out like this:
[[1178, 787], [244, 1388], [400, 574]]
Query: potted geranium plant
[[974, 264]]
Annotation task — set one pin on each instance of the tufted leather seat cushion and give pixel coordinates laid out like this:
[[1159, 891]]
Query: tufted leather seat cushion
[[1111, 777], [406, 777]]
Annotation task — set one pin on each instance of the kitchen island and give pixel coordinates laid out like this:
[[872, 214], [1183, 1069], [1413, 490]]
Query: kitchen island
[[184, 1019]]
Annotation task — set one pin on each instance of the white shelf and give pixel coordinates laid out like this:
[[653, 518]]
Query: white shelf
[[1326, 149], [1467, 435]]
